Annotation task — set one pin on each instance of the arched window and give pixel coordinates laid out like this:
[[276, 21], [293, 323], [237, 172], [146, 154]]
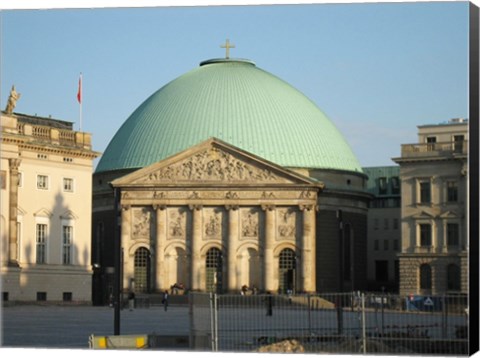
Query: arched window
[[214, 270], [425, 277], [453, 278], [142, 270], [286, 266]]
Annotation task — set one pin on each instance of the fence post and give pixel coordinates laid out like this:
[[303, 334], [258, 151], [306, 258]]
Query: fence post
[[215, 309], [212, 321], [309, 315], [364, 329]]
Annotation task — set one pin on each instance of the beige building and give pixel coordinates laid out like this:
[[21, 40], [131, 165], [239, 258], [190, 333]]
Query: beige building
[[434, 182], [46, 185]]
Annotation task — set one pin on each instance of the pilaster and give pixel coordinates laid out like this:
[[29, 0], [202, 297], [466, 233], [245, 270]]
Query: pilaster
[[14, 163]]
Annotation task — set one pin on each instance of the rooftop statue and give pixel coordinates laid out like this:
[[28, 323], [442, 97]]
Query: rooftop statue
[[12, 100]]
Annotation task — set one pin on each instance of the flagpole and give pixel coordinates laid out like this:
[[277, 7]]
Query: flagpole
[[79, 97]]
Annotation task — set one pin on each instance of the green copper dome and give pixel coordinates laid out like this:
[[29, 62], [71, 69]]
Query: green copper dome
[[237, 102]]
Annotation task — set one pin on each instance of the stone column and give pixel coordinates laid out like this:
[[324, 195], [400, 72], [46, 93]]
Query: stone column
[[307, 262], [268, 261], [160, 240], [14, 163], [233, 233], [125, 238], [196, 245]]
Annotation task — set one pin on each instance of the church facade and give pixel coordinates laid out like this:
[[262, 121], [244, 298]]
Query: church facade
[[215, 218]]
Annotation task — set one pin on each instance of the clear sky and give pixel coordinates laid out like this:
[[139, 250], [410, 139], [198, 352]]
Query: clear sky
[[377, 70]]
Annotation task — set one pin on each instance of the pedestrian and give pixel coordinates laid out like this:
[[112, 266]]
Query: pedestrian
[[269, 301], [131, 300], [244, 290], [165, 300]]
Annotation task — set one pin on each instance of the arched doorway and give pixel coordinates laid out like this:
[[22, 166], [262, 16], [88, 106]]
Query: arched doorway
[[141, 272], [213, 266], [286, 274]]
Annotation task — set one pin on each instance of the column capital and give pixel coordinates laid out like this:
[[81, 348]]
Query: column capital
[[159, 207], [307, 207], [125, 207], [195, 207], [231, 207], [14, 163], [268, 207]]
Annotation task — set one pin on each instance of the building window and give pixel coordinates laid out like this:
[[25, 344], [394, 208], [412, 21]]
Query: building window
[[395, 244], [452, 235], [286, 267], [376, 245], [425, 235], [5, 296], [67, 296], [376, 223], [347, 252], [395, 181], [385, 245], [458, 143], [425, 192], [42, 182], [385, 224], [452, 192], [381, 271], [67, 245], [453, 277], [395, 224], [142, 270], [68, 184], [214, 270], [41, 296], [382, 186], [425, 277], [41, 243], [431, 143]]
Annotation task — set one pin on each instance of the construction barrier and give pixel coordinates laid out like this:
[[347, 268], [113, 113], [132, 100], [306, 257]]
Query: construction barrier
[[119, 342]]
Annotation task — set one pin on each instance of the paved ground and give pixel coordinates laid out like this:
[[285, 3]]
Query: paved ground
[[71, 326]]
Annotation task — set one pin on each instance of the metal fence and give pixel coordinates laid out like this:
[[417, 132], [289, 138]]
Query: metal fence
[[330, 323]]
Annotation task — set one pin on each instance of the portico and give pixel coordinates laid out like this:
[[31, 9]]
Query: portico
[[216, 218]]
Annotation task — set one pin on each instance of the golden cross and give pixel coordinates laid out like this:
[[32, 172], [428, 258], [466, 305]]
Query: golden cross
[[227, 46]]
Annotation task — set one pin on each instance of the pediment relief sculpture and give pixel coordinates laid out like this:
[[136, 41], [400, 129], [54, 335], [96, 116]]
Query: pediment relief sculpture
[[212, 164]]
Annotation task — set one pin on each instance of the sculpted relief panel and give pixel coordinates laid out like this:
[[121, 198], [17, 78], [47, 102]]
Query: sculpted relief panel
[[286, 223], [250, 223], [141, 225], [213, 223], [213, 165], [177, 223]]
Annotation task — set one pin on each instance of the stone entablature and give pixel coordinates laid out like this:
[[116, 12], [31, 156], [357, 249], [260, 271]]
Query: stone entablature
[[20, 130]]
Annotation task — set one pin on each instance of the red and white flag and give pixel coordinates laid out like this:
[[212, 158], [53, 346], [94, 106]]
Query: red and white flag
[[79, 94]]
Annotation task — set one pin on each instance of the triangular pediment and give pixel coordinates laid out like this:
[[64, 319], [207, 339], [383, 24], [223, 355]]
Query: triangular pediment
[[449, 215], [423, 215], [68, 215], [212, 162], [43, 213]]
